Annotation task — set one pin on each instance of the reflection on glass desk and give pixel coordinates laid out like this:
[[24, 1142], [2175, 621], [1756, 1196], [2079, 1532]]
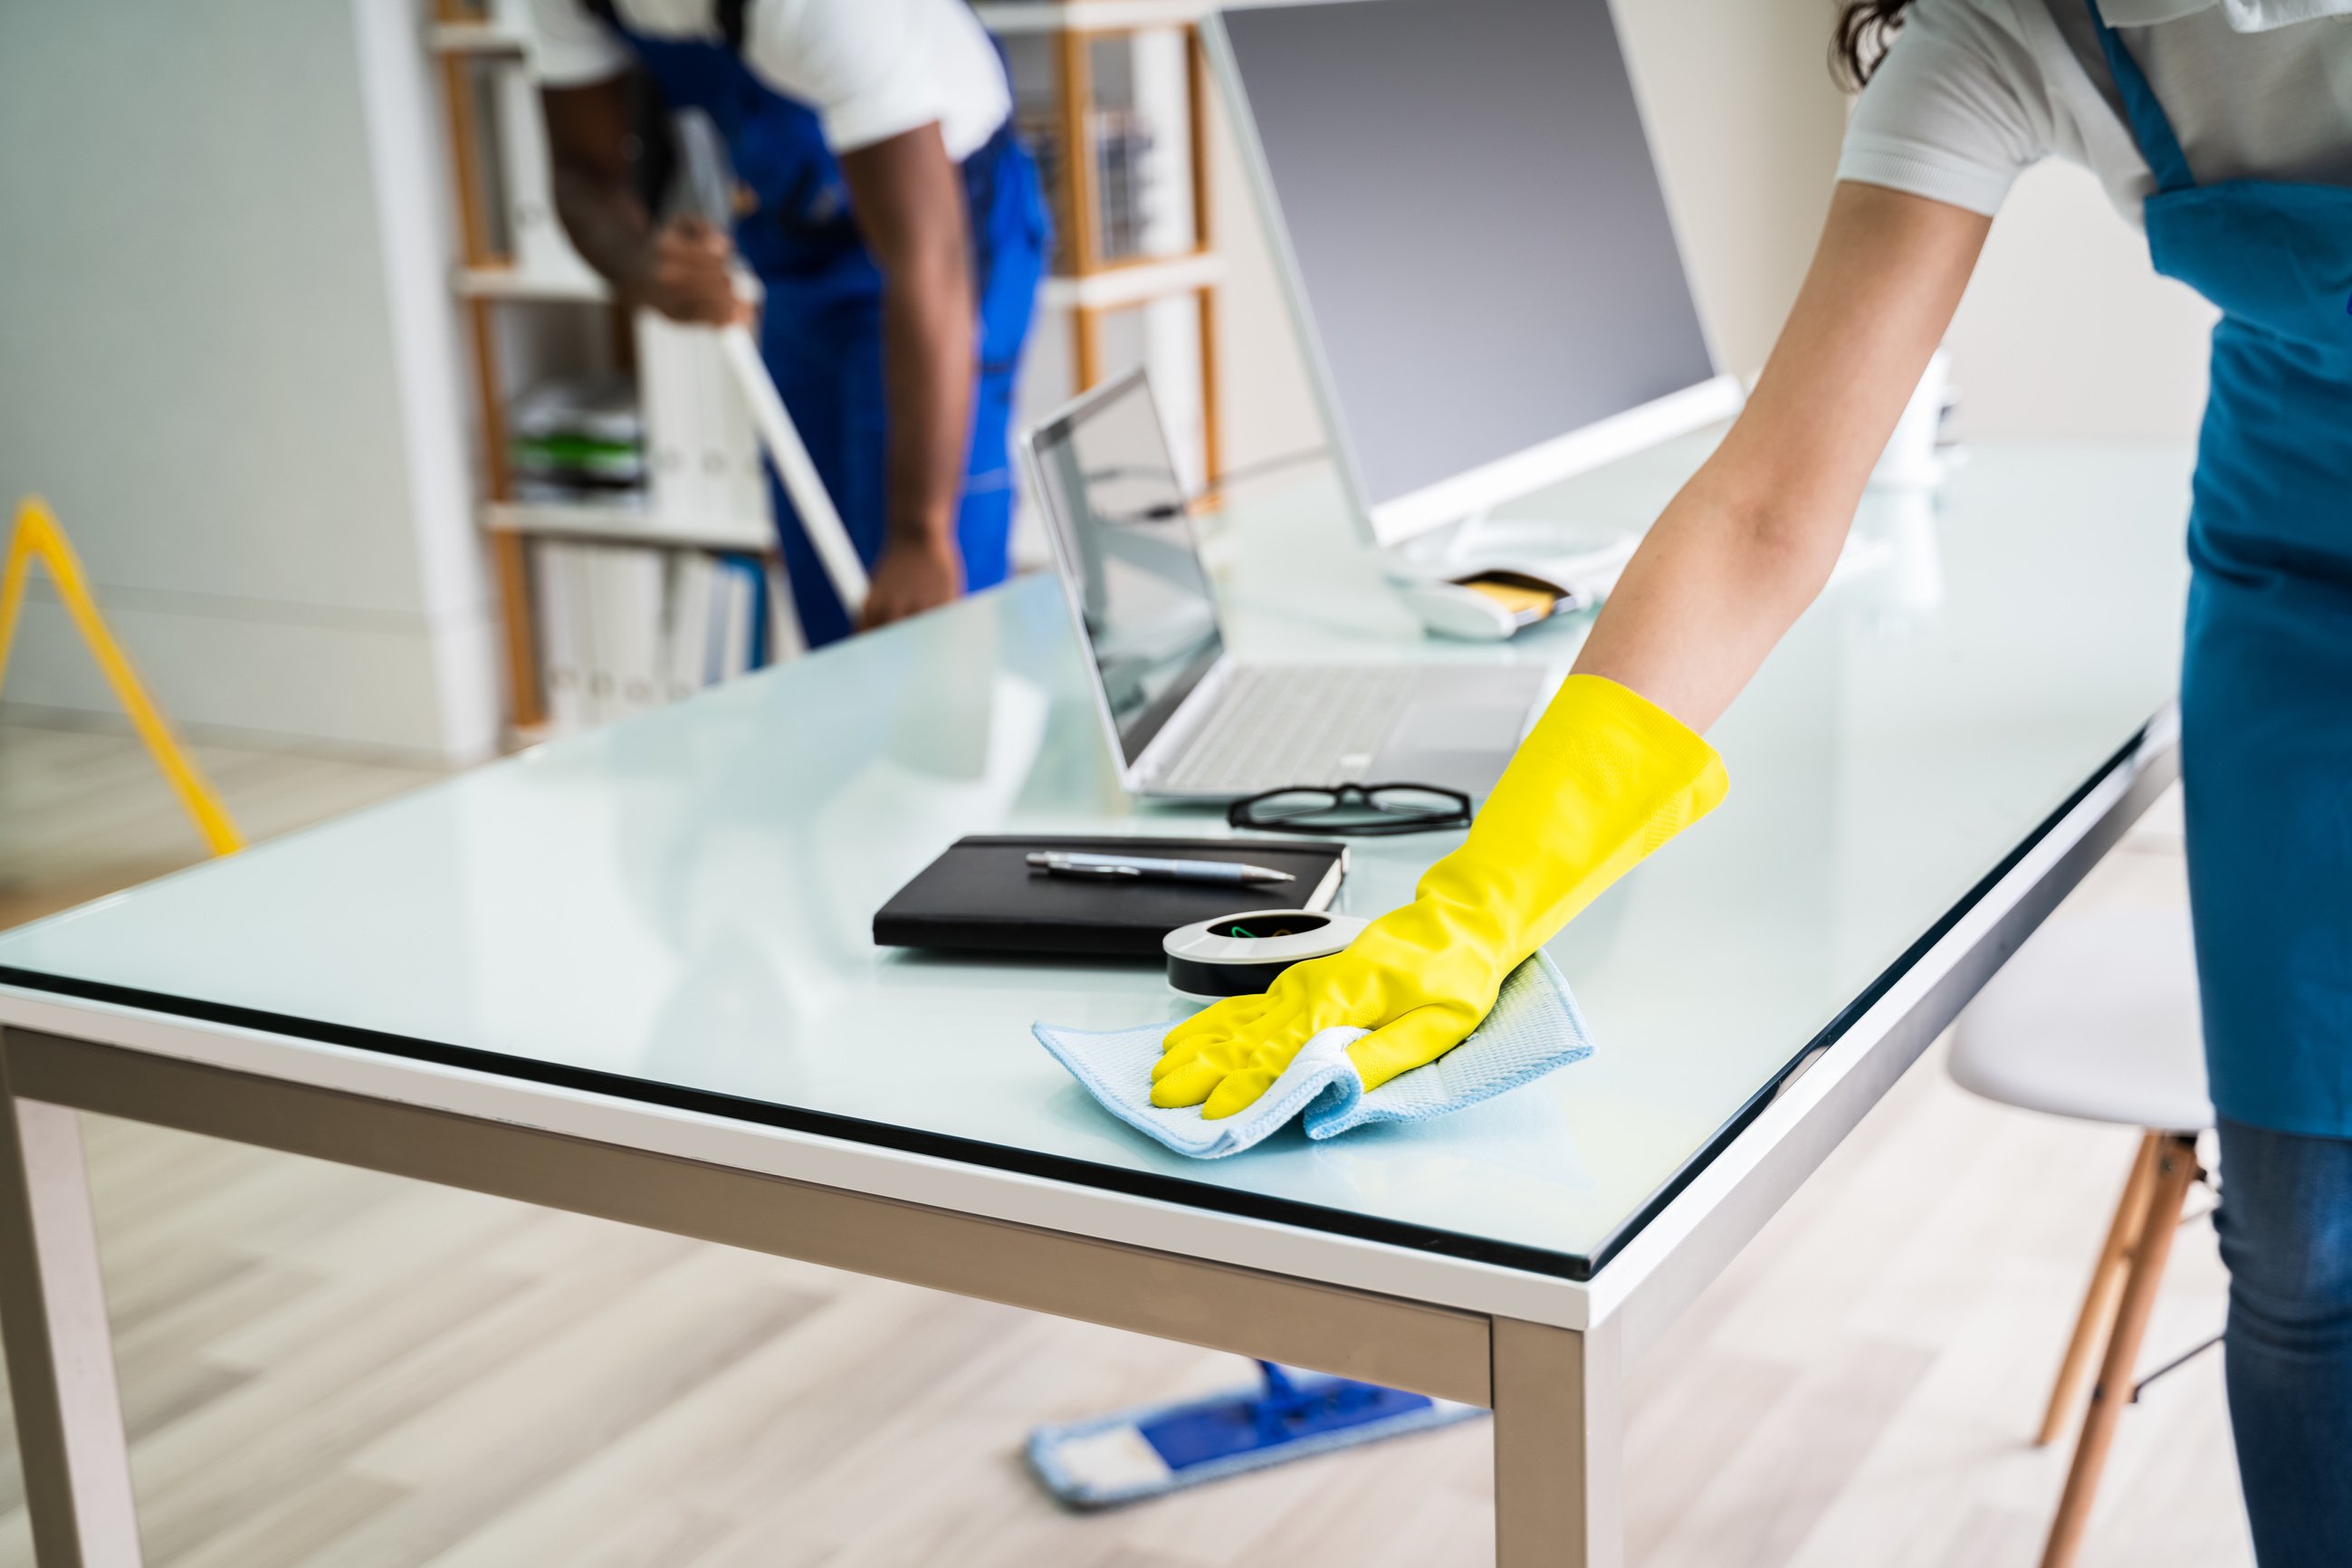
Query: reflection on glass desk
[[682, 901]]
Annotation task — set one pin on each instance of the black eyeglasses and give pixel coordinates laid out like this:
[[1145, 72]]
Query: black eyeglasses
[[1353, 810]]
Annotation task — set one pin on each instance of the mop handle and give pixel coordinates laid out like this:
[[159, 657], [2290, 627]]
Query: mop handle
[[802, 483]]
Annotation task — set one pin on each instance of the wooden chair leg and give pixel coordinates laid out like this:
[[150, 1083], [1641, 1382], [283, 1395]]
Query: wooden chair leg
[[2175, 1168], [2099, 1300]]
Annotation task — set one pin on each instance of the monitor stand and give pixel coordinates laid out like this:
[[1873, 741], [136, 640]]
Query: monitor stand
[[1583, 556]]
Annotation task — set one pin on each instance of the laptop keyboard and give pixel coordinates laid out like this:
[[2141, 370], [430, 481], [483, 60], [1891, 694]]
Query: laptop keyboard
[[1297, 725]]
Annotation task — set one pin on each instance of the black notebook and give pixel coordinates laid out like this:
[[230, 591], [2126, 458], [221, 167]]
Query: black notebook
[[982, 895]]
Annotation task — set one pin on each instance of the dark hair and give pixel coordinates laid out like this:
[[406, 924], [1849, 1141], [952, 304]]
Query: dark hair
[[1865, 28]]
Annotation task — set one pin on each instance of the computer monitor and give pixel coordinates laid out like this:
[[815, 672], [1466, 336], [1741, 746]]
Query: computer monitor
[[1462, 202]]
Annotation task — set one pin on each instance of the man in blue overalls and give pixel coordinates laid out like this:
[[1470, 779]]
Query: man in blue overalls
[[893, 220]]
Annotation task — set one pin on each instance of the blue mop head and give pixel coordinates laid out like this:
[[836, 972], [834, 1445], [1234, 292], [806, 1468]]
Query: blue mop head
[[1137, 1454]]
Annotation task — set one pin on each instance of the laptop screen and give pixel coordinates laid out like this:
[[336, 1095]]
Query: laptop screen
[[1124, 539]]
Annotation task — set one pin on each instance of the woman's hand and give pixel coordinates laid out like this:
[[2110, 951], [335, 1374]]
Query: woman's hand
[[1417, 977], [1603, 778]]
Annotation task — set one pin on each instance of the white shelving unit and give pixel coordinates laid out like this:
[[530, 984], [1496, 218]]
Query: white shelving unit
[[619, 525], [1177, 259], [1134, 282], [513, 283], [487, 38]]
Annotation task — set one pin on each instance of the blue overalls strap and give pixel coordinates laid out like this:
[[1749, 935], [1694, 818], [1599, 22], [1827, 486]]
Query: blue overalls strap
[[728, 14], [2151, 127]]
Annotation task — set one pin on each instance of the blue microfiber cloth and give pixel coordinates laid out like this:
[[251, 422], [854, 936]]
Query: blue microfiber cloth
[[1534, 1027]]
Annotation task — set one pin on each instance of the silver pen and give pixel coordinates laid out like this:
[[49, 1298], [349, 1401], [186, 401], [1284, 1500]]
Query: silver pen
[[1072, 863]]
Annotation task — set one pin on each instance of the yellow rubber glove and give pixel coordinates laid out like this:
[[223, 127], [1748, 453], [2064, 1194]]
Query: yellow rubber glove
[[1606, 777]]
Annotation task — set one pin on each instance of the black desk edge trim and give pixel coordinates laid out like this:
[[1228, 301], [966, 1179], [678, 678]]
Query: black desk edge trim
[[1055, 1167], [1850, 1014]]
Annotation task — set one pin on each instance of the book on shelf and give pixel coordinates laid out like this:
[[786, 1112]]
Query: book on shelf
[[688, 623], [563, 653], [703, 455], [624, 598], [624, 628], [674, 447]]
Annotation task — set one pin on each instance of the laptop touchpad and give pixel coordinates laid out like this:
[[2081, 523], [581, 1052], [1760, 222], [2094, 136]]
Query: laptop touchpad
[[1436, 724], [1460, 745]]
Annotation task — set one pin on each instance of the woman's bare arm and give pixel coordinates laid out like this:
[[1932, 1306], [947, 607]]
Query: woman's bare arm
[[1750, 540]]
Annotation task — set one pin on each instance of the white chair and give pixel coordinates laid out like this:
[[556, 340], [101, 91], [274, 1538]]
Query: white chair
[[2096, 1019]]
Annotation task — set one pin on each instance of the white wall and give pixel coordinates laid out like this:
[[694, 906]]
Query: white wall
[[2066, 330], [226, 357], [1747, 123]]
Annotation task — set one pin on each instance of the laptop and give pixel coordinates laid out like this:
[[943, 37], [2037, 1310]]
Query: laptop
[[1185, 719]]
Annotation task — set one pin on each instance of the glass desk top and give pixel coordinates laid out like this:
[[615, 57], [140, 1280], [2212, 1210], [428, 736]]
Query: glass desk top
[[678, 907]]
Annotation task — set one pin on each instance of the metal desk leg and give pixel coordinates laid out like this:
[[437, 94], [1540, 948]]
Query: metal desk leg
[[1559, 1447], [61, 1356]]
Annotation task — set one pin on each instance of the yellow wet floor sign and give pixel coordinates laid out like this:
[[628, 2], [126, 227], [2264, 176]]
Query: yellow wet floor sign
[[37, 538]]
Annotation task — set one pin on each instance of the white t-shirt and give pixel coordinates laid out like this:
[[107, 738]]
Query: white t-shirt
[[872, 69], [1975, 90]]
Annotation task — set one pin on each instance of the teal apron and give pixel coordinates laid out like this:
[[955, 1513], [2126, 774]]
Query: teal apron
[[2266, 684]]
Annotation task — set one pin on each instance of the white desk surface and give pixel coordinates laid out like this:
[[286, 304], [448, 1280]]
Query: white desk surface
[[682, 901]]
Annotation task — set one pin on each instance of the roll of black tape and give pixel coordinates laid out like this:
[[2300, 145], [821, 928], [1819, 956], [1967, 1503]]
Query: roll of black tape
[[1195, 979], [1238, 956]]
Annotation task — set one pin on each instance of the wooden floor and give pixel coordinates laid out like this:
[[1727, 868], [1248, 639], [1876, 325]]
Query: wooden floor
[[84, 812], [338, 1370]]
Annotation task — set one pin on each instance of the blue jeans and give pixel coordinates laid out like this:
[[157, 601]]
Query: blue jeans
[[2286, 1225]]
